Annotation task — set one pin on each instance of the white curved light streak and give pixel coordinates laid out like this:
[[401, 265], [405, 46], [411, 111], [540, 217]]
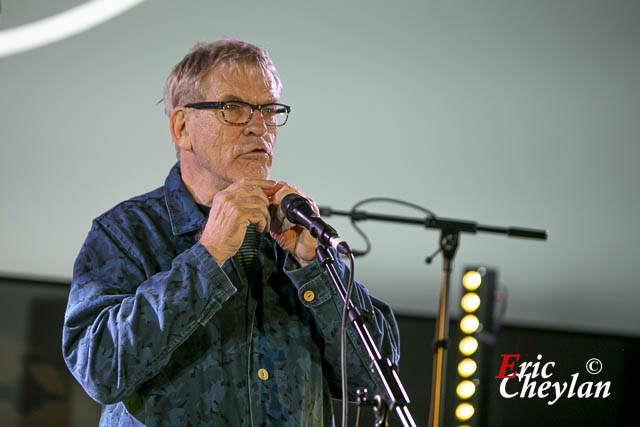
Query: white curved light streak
[[62, 25]]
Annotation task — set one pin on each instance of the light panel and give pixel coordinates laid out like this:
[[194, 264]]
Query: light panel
[[468, 345], [470, 302], [467, 367], [469, 324], [471, 280], [465, 389], [464, 411]]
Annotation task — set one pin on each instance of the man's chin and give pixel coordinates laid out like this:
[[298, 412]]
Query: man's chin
[[257, 173]]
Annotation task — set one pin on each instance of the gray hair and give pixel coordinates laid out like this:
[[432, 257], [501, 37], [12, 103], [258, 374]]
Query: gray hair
[[184, 83]]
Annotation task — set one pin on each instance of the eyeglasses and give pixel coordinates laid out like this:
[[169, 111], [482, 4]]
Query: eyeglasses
[[240, 113]]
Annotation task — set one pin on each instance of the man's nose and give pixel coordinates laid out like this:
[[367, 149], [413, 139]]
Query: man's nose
[[257, 125]]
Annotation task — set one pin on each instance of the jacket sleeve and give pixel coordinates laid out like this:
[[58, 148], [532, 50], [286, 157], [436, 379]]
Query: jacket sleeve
[[122, 325], [326, 307]]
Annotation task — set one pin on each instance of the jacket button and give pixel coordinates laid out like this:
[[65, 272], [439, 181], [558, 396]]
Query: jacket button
[[263, 374], [309, 296]]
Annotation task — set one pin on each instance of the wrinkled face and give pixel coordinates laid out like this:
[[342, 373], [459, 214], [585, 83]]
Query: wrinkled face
[[226, 153]]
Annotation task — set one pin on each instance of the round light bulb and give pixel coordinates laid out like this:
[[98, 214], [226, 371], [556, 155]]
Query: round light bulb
[[467, 367], [470, 302], [471, 280], [464, 411], [465, 389], [468, 346], [469, 324]]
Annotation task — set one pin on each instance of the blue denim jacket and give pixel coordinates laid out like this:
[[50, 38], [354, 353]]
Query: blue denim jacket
[[160, 334]]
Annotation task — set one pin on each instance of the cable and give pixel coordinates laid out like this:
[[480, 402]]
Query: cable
[[380, 199], [343, 339]]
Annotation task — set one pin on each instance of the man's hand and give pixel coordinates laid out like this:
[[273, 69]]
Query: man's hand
[[294, 239], [232, 210]]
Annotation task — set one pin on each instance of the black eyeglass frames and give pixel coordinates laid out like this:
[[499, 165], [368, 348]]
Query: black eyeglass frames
[[240, 113]]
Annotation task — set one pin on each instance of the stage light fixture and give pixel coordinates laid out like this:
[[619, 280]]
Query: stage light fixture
[[469, 324], [468, 345], [470, 302], [476, 325], [467, 367], [464, 411], [471, 280], [465, 389]]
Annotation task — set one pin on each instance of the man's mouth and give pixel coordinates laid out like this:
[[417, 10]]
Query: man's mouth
[[257, 153]]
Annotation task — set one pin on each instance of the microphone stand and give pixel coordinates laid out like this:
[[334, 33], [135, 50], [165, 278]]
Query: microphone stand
[[450, 230], [390, 394]]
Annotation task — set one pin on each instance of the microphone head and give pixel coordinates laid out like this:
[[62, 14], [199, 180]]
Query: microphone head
[[299, 210], [286, 202], [296, 209]]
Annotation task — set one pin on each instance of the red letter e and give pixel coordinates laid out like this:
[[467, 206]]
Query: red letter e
[[505, 365]]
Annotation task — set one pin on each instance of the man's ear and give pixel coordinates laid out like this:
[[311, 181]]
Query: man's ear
[[178, 126]]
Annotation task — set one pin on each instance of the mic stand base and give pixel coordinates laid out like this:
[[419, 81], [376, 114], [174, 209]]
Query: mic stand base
[[380, 409]]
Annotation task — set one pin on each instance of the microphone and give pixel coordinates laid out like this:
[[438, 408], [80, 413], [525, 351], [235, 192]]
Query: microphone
[[299, 211]]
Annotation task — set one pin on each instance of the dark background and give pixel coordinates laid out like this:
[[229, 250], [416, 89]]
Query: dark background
[[36, 388]]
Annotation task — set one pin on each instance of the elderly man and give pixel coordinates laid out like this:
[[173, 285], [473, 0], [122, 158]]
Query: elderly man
[[194, 304]]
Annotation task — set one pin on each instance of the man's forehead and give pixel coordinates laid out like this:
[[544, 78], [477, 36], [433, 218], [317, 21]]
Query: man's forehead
[[240, 82]]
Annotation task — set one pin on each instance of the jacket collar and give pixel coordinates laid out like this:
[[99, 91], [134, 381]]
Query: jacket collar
[[184, 214]]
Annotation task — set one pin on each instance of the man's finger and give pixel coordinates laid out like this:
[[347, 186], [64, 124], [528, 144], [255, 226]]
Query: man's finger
[[289, 189], [252, 200], [269, 192], [259, 217], [282, 191]]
